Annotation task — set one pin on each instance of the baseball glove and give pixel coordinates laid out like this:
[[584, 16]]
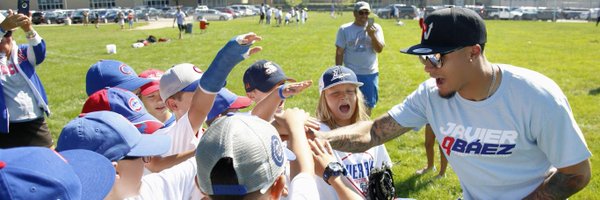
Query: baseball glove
[[381, 184]]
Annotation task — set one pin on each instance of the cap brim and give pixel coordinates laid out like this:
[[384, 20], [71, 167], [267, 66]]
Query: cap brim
[[148, 126], [241, 102], [358, 84], [421, 49], [134, 83], [96, 172], [150, 88], [191, 87], [151, 145]]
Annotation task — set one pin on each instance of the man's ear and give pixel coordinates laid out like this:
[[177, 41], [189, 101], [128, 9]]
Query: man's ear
[[277, 187], [251, 95], [475, 51]]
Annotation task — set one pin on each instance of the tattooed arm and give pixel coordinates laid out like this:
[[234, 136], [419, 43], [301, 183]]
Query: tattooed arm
[[363, 135], [564, 182]]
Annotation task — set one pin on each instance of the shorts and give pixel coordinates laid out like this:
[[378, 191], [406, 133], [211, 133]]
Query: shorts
[[31, 133], [370, 89], [181, 27], [262, 16]]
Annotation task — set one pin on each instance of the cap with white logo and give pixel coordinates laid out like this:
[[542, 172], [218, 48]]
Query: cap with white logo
[[337, 75], [448, 29]]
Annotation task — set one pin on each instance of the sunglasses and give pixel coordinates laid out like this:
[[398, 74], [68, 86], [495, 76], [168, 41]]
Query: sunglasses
[[435, 59], [145, 159], [363, 12]]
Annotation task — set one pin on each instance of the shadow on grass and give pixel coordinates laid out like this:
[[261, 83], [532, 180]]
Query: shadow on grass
[[595, 91], [411, 185]]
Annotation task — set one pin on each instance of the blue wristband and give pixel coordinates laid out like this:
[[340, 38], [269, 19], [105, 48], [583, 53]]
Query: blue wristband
[[280, 91]]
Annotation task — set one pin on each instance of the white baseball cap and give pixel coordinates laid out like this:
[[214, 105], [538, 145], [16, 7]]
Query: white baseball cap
[[254, 148], [180, 77]]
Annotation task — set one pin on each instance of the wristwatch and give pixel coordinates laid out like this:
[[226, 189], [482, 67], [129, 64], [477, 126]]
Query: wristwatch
[[333, 169]]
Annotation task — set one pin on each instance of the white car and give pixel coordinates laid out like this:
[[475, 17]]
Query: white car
[[244, 9], [212, 15]]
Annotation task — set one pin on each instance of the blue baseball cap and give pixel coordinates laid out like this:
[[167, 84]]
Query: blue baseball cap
[[337, 75], [125, 103], [112, 73], [111, 135], [264, 75], [41, 173], [226, 99]]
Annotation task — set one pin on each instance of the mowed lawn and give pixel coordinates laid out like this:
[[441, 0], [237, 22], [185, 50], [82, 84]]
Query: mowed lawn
[[566, 52]]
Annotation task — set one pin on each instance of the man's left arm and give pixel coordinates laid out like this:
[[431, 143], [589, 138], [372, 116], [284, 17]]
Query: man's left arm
[[376, 34], [36, 51], [564, 182]]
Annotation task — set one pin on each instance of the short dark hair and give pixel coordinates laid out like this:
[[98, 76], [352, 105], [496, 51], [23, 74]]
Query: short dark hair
[[223, 173]]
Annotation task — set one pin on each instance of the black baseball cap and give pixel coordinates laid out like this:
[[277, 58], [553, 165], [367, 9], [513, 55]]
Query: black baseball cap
[[264, 75], [447, 29]]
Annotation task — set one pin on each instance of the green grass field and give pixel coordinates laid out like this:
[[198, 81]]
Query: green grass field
[[565, 52]]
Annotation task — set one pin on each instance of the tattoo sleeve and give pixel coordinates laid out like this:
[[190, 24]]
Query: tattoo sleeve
[[361, 136], [559, 186]]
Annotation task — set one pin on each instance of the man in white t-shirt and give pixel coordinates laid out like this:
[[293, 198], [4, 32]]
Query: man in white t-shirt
[[180, 19], [508, 132]]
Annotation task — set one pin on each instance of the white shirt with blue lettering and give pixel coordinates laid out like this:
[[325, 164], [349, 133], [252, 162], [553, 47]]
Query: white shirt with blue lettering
[[358, 166], [358, 49], [501, 147]]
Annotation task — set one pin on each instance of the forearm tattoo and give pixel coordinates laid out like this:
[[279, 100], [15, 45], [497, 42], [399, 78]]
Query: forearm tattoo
[[559, 186], [352, 140]]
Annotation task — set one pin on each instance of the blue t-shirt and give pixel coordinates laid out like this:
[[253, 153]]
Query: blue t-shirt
[[501, 147], [358, 49]]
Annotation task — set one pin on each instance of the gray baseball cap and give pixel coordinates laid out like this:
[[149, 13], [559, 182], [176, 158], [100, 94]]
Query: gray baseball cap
[[181, 77], [361, 5]]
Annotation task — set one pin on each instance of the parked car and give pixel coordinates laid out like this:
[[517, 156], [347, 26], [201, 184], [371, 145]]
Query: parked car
[[406, 12], [228, 10], [573, 13], [591, 14], [244, 9], [548, 14], [504, 12], [529, 13], [38, 18], [212, 14], [55, 17], [480, 10], [77, 16]]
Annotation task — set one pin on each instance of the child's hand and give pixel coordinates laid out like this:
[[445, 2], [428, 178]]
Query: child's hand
[[291, 89], [322, 154]]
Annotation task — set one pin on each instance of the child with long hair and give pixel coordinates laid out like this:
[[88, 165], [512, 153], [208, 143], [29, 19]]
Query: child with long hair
[[341, 103]]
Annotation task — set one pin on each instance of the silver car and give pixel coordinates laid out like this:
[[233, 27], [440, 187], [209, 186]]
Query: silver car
[[212, 14]]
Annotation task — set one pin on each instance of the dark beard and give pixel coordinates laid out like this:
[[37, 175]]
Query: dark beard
[[447, 96]]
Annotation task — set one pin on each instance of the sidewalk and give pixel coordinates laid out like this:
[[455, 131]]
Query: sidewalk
[[162, 23]]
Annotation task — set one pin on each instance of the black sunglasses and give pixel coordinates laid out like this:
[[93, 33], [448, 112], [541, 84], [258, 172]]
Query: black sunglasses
[[435, 59], [363, 12]]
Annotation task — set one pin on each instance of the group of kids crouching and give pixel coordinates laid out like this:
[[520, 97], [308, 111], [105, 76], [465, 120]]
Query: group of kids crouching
[[141, 137]]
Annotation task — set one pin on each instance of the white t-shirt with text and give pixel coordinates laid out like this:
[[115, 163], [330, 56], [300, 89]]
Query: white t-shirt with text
[[501, 147]]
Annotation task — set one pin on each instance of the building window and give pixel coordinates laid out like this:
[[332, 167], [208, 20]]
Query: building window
[[156, 3], [50, 4], [102, 4]]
